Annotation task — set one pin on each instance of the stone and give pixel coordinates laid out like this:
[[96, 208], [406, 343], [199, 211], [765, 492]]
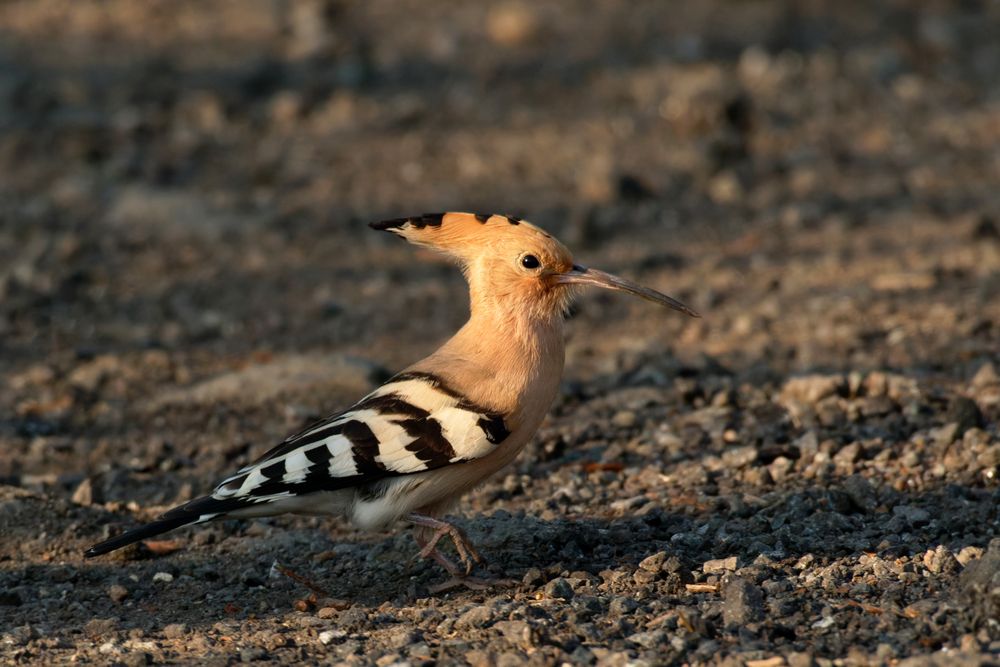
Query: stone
[[118, 593], [559, 588], [719, 565], [861, 492], [653, 563], [964, 412], [742, 602], [175, 631], [813, 388], [475, 617], [940, 559]]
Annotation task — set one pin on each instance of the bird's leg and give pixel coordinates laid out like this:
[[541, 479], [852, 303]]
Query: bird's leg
[[435, 554], [466, 552]]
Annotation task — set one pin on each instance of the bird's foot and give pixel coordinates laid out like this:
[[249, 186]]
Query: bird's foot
[[467, 554]]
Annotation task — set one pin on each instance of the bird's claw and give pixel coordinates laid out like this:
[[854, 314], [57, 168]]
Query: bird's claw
[[467, 553]]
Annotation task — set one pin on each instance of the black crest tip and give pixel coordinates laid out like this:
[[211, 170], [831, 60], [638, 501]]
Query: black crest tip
[[417, 222]]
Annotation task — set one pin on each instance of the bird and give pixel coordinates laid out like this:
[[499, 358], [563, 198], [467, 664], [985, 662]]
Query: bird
[[410, 449]]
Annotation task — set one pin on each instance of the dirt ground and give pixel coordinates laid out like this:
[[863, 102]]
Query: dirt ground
[[808, 475]]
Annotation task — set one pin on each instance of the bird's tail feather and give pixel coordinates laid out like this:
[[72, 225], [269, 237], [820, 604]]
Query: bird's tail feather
[[195, 511]]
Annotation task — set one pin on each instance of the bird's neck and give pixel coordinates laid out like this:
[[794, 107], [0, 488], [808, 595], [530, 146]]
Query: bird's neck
[[508, 358]]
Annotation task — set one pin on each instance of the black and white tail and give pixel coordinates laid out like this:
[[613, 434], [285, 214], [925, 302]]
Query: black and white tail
[[198, 510]]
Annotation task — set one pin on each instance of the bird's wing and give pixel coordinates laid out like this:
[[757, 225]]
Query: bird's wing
[[412, 423]]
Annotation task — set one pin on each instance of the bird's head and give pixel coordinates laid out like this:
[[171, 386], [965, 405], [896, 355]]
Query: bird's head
[[510, 263]]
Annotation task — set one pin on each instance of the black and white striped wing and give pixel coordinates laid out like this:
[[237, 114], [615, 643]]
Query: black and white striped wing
[[411, 424]]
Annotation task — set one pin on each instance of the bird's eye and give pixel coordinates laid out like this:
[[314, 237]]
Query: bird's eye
[[530, 262]]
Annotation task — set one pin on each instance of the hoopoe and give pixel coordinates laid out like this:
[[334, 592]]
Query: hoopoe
[[411, 448]]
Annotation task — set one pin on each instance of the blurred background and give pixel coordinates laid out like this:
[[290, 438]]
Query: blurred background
[[185, 190], [186, 273]]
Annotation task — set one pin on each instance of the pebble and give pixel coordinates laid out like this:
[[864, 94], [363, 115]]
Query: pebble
[[965, 413], [99, 626], [403, 637], [968, 554], [328, 636], [476, 617], [512, 23], [253, 654], [742, 602], [624, 419], [175, 631], [986, 376], [861, 492], [813, 388], [650, 640], [940, 559], [163, 577], [719, 565], [914, 516], [621, 606], [118, 593], [84, 494], [559, 588], [516, 632], [653, 563]]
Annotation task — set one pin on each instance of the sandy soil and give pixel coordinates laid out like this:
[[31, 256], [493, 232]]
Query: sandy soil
[[806, 476]]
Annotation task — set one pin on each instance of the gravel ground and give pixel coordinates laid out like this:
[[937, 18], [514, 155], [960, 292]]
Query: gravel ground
[[806, 476]]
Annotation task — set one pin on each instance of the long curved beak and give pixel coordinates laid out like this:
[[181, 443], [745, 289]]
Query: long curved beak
[[581, 275]]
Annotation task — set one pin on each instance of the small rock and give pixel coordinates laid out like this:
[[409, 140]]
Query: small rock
[[800, 660], [651, 640], [982, 572], [163, 577], [940, 559], [848, 454], [403, 637], [559, 588], [533, 577], [719, 565], [91, 374], [653, 563], [621, 606], [118, 593], [175, 631], [824, 623], [512, 23], [780, 467], [84, 494], [98, 627], [624, 419], [861, 493], [328, 636], [476, 617], [980, 583], [643, 577], [986, 376], [137, 659], [914, 516], [964, 412], [969, 554], [742, 602], [516, 632], [813, 388], [21, 635], [253, 654]]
